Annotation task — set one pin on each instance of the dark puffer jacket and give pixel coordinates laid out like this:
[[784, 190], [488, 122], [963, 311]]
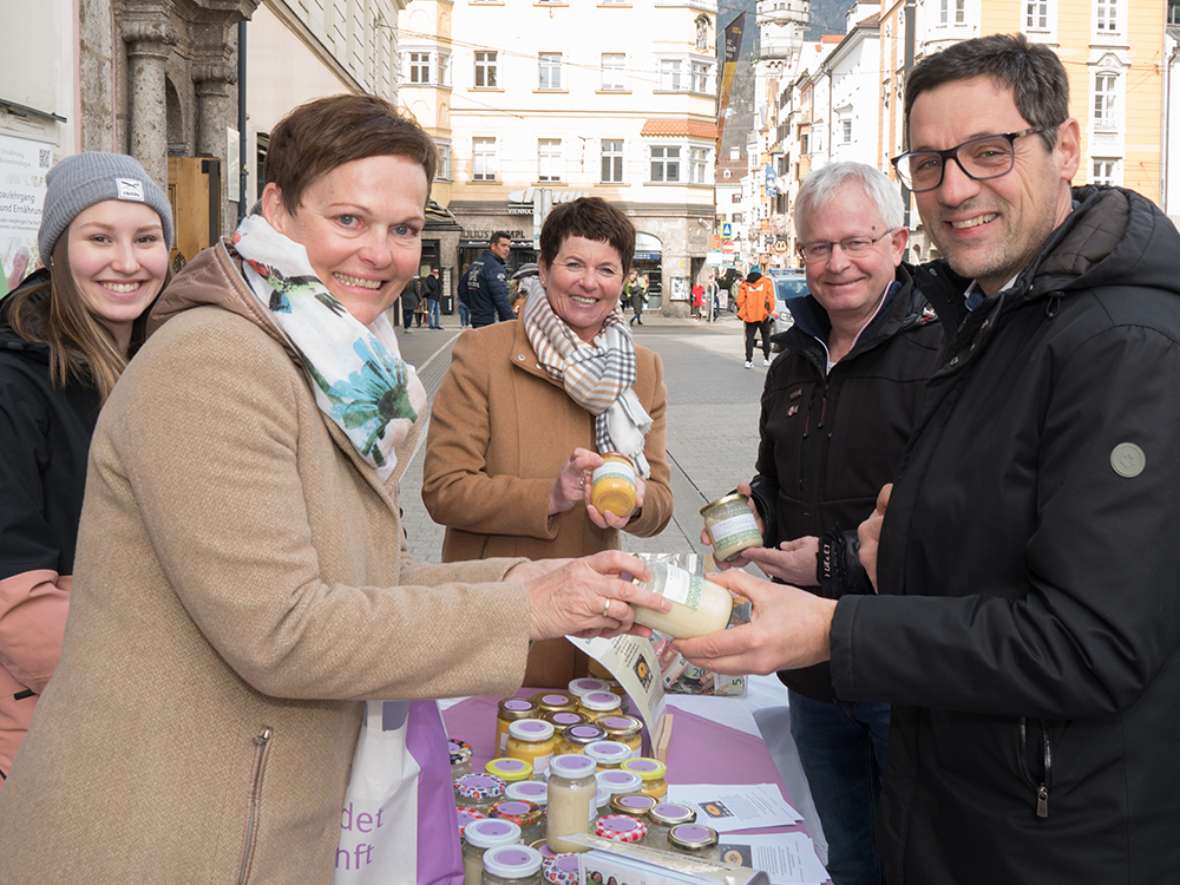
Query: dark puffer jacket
[[1028, 628], [829, 441]]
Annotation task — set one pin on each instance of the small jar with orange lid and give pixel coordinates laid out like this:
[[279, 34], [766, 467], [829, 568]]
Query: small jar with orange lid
[[534, 741], [598, 704], [614, 485], [652, 772]]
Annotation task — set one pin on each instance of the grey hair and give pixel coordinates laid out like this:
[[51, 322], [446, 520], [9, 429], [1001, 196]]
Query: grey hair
[[820, 187]]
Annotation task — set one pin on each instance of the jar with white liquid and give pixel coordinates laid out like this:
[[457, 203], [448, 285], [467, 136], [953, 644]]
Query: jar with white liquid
[[573, 800], [698, 606]]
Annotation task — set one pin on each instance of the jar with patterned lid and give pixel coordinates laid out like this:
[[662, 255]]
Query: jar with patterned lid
[[554, 702], [576, 738], [695, 840], [512, 865], [534, 741], [561, 869], [597, 704], [478, 791], [634, 804], [467, 815], [585, 685], [624, 729], [563, 719], [652, 772], [460, 752], [510, 710], [573, 794], [529, 817], [621, 828], [478, 837], [509, 769], [665, 816], [608, 754]]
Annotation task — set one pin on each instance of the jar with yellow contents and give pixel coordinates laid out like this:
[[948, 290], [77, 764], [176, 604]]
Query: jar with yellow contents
[[576, 738], [614, 485], [598, 704], [510, 770], [534, 741], [652, 772], [563, 719], [624, 729], [509, 711], [553, 702]]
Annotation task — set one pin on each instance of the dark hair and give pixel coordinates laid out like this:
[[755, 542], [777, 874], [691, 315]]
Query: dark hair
[[499, 235], [320, 135], [590, 217], [1033, 72]]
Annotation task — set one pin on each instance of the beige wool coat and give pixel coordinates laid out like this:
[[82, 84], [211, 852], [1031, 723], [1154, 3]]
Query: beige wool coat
[[500, 430], [240, 590]]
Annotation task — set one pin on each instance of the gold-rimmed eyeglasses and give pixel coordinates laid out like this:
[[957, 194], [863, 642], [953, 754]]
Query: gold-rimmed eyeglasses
[[821, 250], [980, 158]]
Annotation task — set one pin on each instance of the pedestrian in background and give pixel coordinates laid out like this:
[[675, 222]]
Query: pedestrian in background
[[638, 300], [484, 285], [432, 288], [755, 304], [66, 334], [409, 303]]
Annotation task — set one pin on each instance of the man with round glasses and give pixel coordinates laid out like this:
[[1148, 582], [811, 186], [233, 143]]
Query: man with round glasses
[[1027, 627]]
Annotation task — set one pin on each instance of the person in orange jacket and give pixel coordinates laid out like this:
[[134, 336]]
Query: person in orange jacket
[[755, 307]]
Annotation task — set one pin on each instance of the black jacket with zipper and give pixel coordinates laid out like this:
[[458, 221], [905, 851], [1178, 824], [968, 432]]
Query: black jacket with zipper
[[828, 441], [1029, 618]]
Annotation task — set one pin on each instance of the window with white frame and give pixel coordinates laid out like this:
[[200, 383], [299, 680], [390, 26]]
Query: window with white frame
[[418, 67], [613, 65], [735, 154], [487, 69], [700, 76], [548, 159], [549, 70], [1106, 170], [443, 172], [952, 12], [483, 154], [698, 165], [670, 74], [846, 130], [1036, 15], [665, 162], [612, 160], [1105, 100], [1106, 16]]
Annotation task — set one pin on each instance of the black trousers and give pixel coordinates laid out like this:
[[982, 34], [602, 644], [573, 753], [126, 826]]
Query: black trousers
[[751, 330]]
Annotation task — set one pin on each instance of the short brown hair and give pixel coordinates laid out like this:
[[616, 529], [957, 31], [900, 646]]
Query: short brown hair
[[590, 217], [320, 135]]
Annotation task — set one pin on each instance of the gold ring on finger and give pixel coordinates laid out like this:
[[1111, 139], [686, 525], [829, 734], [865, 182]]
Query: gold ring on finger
[[606, 607]]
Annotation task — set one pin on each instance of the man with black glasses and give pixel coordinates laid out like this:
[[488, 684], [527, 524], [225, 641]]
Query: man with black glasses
[[1027, 625]]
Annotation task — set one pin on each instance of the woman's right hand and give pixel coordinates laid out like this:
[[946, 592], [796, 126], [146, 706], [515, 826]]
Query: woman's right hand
[[587, 597], [738, 561], [572, 485]]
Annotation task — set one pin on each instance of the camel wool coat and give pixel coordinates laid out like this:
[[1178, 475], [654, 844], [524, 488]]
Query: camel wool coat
[[500, 431], [240, 590]]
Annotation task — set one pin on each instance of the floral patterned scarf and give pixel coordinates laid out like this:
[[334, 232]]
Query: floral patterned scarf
[[358, 376]]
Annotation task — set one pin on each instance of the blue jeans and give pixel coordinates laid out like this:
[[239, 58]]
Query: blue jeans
[[842, 747], [464, 317], [433, 316]]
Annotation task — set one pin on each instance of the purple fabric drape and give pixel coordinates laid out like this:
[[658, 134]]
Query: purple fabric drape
[[440, 857]]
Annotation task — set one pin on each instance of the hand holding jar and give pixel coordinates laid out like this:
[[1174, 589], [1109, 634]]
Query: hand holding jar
[[586, 597], [573, 486], [740, 561]]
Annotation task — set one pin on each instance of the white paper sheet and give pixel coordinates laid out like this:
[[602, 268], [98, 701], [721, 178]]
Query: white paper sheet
[[788, 858], [730, 807], [732, 712]]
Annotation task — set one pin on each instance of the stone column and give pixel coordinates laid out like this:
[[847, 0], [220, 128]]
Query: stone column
[[148, 46], [213, 82]]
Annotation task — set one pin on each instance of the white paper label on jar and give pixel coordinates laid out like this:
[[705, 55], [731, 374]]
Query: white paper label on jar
[[613, 468], [503, 743], [736, 525], [677, 584]]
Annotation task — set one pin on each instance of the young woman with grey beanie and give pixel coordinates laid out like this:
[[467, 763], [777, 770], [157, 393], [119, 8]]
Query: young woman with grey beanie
[[66, 333]]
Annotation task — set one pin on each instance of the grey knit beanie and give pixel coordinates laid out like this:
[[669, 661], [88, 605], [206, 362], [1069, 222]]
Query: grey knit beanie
[[80, 181]]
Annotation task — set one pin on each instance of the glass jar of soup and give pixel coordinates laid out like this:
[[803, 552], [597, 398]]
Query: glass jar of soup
[[613, 485], [665, 816], [621, 828], [624, 729], [698, 606], [478, 791], [510, 710], [597, 704], [534, 741], [510, 770], [585, 685], [634, 804], [652, 772], [573, 793], [524, 814], [608, 754], [696, 840], [576, 738], [512, 865], [731, 525], [478, 837], [554, 702]]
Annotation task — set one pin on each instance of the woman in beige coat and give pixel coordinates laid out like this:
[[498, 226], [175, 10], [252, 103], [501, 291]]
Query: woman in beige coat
[[514, 433], [240, 587]]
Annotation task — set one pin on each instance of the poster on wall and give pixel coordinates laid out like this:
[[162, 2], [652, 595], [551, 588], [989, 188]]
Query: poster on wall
[[23, 164]]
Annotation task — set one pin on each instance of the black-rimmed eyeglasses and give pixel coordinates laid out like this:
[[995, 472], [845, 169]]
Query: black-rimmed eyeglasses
[[980, 158]]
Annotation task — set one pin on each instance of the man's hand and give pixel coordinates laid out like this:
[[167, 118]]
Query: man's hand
[[793, 562], [869, 534], [789, 628], [739, 561]]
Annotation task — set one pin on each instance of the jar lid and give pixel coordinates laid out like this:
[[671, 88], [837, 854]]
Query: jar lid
[[572, 766], [585, 685], [621, 726], [519, 811], [608, 752], [490, 832], [553, 700], [509, 769], [618, 781], [647, 769], [722, 501], [601, 701], [672, 813], [517, 708], [692, 836], [467, 815], [460, 751], [533, 730], [584, 734], [512, 861], [561, 868], [620, 828], [563, 719], [634, 804], [536, 792], [479, 787]]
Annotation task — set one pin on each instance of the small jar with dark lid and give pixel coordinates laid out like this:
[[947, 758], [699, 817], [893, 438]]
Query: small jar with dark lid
[[563, 719], [696, 840], [665, 816], [576, 738], [634, 804], [554, 702], [624, 729]]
